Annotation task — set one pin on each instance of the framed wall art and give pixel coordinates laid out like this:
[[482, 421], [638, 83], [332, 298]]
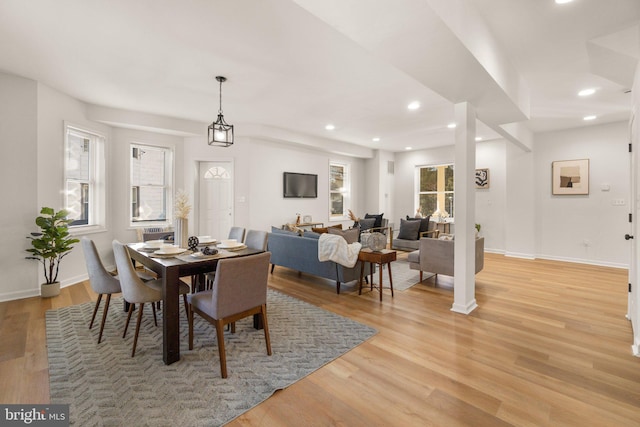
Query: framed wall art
[[482, 178], [570, 177]]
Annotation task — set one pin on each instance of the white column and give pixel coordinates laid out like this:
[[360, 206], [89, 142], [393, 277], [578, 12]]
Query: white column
[[464, 280]]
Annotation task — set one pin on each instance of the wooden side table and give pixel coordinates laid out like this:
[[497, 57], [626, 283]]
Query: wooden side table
[[381, 258]]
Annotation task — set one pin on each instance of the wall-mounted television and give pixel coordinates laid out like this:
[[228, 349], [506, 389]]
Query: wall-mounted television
[[299, 185]]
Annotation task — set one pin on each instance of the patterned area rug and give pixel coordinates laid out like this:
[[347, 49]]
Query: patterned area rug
[[403, 276], [106, 387]]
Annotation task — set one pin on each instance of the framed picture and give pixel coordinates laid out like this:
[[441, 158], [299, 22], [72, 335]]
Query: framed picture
[[482, 178], [570, 177]]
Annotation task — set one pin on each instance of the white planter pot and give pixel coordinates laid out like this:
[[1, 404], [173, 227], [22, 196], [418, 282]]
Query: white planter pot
[[50, 290]]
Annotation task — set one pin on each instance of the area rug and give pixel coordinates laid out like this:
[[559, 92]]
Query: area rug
[[105, 386], [403, 276]]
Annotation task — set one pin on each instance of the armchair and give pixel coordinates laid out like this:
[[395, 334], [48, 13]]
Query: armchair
[[437, 256]]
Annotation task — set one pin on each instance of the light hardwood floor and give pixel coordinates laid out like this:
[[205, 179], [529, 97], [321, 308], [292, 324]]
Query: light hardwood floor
[[549, 345]]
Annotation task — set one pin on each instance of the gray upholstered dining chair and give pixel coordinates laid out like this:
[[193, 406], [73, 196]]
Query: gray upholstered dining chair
[[135, 291], [239, 290], [256, 239], [102, 282], [234, 233], [237, 233]]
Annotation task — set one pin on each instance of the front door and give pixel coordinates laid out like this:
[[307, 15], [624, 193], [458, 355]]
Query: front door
[[215, 211]]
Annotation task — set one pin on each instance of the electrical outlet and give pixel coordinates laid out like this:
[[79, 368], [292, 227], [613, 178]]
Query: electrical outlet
[[617, 202]]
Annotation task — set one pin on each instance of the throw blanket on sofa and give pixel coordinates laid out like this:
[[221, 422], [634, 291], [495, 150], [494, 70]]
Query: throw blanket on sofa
[[332, 247]]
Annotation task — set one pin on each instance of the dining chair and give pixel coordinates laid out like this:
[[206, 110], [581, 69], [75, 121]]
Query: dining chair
[[136, 291], [234, 233], [102, 282], [239, 290], [237, 233], [256, 239]]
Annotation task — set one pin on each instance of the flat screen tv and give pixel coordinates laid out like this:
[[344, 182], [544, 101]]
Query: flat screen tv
[[299, 185]]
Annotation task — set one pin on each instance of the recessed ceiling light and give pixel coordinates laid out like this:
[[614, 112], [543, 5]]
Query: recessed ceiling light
[[587, 118], [563, 1], [414, 105], [587, 92], [329, 127], [451, 125], [407, 148], [376, 139], [478, 138]]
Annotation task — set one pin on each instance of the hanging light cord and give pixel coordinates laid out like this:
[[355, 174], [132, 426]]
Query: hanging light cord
[[220, 109]]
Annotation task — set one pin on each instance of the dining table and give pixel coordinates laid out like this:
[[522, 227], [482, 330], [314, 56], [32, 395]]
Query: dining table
[[170, 269]]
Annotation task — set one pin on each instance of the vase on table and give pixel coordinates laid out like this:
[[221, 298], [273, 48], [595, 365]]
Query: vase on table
[[181, 233]]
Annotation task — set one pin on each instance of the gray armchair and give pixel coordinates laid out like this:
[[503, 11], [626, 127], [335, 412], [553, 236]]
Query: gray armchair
[[437, 256]]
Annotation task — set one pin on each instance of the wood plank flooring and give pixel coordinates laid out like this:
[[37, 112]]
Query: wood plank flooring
[[549, 345]]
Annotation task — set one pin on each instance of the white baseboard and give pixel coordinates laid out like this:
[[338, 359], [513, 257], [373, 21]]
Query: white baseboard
[[583, 261], [519, 255], [10, 296]]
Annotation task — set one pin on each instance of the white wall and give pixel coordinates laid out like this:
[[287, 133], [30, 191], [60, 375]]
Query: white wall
[[520, 210], [379, 189], [584, 228], [19, 175], [258, 166], [520, 217], [54, 108], [491, 202]]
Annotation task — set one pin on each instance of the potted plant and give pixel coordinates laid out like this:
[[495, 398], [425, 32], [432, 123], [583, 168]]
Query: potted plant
[[478, 226], [50, 245]]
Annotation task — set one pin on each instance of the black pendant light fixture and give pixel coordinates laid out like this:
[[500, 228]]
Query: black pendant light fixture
[[220, 133]]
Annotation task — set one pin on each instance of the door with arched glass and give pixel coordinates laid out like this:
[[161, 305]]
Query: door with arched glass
[[215, 181]]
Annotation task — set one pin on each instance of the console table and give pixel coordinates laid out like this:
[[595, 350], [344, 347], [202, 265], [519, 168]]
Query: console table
[[381, 258]]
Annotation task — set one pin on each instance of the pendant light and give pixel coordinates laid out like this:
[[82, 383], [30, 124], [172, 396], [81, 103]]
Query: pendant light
[[220, 133]]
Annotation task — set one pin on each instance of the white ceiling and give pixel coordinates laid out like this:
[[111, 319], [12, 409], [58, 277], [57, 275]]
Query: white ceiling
[[294, 66]]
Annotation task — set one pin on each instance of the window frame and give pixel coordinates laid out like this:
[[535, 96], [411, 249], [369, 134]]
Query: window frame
[[96, 185], [169, 165], [345, 191], [440, 194]]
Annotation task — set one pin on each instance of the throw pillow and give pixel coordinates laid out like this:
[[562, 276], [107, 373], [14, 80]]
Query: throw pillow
[[367, 223], [351, 235], [378, 218], [424, 222], [409, 229], [321, 230]]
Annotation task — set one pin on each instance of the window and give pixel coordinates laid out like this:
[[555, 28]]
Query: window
[[151, 178], [339, 189], [435, 190], [84, 177]]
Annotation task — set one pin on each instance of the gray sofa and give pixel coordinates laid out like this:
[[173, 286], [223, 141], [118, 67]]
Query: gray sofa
[[300, 253]]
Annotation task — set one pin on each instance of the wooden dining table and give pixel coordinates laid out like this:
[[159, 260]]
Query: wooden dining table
[[170, 269]]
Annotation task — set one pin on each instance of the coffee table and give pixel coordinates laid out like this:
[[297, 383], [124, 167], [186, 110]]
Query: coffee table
[[383, 257]]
